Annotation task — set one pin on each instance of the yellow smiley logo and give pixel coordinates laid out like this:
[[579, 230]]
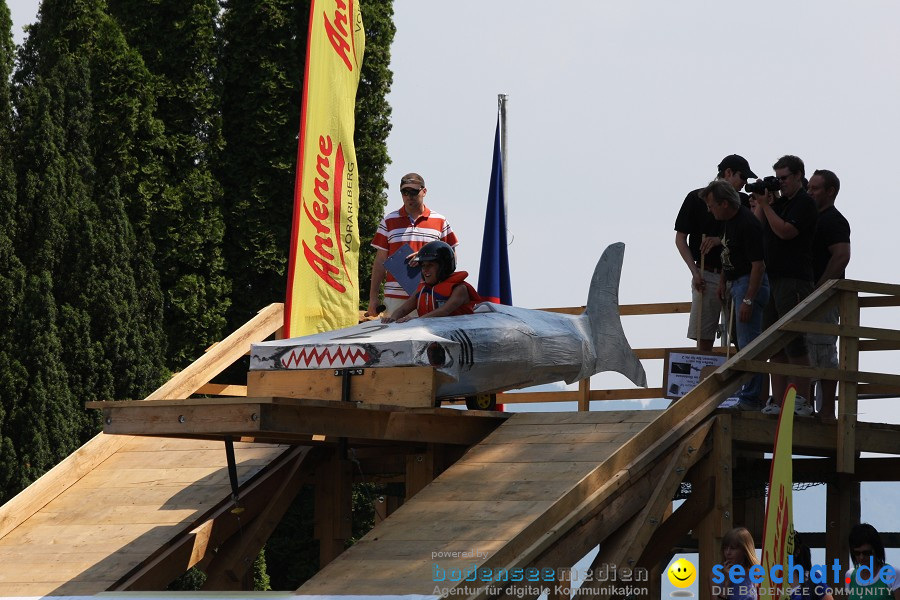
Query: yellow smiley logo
[[682, 573]]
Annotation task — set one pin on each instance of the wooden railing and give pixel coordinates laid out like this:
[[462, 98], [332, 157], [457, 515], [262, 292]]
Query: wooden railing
[[584, 395], [853, 340]]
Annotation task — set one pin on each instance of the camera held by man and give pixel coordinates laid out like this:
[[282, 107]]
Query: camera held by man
[[766, 184]]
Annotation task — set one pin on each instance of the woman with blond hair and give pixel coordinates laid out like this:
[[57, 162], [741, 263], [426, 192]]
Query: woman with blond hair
[[738, 549]]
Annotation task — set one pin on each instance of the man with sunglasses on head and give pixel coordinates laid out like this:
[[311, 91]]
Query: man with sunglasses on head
[[692, 223], [789, 224], [414, 224]]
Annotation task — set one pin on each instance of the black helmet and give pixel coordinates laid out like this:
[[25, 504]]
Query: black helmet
[[442, 254]]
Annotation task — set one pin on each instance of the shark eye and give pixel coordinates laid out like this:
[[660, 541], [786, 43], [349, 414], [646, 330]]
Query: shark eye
[[437, 357]]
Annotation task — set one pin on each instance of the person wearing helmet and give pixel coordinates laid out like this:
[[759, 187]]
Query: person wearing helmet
[[414, 224], [443, 291]]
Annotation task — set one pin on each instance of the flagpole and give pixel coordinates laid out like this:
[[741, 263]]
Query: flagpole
[[501, 107]]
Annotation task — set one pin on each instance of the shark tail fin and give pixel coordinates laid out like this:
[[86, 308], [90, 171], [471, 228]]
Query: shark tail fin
[[611, 347]]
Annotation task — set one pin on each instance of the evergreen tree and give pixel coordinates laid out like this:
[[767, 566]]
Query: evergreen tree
[[178, 43], [84, 331], [103, 99], [373, 125], [64, 364], [12, 374], [264, 45]]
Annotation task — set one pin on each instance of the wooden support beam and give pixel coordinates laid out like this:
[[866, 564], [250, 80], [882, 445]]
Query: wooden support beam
[[423, 467], [877, 345], [221, 389], [222, 355], [812, 436], [712, 528], [868, 287], [333, 507], [878, 301], [685, 518], [626, 547], [385, 505], [842, 511], [848, 401], [749, 507], [276, 419], [865, 389], [758, 366], [823, 470], [231, 568], [844, 330], [584, 394], [576, 395]]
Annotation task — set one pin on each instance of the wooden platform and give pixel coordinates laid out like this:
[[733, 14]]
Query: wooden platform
[[505, 492], [113, 505], [296, 420]]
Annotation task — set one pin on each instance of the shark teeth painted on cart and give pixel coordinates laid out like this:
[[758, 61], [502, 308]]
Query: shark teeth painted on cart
[[324, 356]]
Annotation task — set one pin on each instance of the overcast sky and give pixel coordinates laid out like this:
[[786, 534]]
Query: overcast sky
[[617, 109]]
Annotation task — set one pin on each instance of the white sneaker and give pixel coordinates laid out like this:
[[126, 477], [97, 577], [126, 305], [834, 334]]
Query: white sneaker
[[771, 409], [802, 407], [737, 403]]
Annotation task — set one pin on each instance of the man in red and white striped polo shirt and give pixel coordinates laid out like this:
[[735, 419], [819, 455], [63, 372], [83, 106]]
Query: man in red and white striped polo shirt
[[414, 224]]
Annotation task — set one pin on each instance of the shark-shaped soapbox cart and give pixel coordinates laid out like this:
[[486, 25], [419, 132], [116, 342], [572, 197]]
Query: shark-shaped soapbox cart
[[497, 348]]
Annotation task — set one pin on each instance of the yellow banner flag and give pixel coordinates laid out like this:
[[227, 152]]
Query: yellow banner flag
[[778, 535], [322, 286]]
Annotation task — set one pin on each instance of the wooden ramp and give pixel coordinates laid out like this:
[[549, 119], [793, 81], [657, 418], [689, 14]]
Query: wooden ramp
[[121, 511], [506, 496], [133, 513]]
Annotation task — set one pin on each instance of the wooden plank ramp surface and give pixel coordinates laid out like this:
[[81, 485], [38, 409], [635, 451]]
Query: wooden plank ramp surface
[[111, 506], [519, 475]]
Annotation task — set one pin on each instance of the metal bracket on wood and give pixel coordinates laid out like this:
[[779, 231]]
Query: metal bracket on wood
[[345, 375]]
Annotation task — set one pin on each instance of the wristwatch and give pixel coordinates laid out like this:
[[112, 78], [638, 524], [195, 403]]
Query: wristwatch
[[747, 301]]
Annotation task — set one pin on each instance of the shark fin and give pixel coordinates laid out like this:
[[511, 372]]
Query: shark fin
[[611, 347]]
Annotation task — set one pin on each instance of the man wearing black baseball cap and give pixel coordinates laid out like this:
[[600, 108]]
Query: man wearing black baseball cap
[[737, 164], [697, 238]]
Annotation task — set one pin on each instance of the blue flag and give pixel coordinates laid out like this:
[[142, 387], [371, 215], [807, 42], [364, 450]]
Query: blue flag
[[493, 276]]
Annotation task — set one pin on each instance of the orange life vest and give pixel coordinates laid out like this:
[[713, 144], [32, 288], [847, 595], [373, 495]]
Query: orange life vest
[[429, 298]]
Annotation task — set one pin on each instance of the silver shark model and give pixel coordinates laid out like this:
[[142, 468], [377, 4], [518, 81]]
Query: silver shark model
[[497, 348]]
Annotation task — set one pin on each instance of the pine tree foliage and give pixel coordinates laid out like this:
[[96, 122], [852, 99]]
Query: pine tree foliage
[[372, 128], [12, 274], [109, 129], [44, 423], [89, 325], [49, 419], [178, 42], [264, 44]]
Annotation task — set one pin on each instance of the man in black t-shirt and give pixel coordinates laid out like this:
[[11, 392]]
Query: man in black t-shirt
[[831, 254], [692, 223], [744, 269], [789, 222]]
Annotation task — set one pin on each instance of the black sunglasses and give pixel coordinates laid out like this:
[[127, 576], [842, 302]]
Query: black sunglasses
[[410, 191]]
